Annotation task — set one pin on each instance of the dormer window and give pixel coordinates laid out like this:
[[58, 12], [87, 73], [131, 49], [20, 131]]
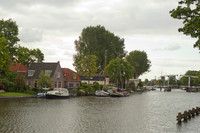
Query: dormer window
[[48, 72], [58, 75], [74, 76], [31, 72]]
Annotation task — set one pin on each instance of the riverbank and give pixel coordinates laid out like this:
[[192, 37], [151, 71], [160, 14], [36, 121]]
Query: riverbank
[[15, 95]]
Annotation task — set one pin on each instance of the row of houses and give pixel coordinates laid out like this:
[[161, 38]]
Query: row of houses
[[60, 77]]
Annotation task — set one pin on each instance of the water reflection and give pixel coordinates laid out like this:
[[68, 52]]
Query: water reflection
[[145, 112]]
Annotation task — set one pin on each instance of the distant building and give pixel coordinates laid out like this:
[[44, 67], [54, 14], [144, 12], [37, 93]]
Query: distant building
[[93, 79], [135, 81], [51, 69], [18, 67]]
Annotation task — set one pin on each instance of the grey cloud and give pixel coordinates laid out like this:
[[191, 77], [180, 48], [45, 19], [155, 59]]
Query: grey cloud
[[176, 63], [30, 35], [128, 17], [173, 47], [168, 48]]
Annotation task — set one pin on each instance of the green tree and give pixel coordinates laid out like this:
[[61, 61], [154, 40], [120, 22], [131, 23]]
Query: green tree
[[37, 53], [4, 57], [88, 66], [44, 80], [193, 81], [140, 62], [159, 82], [20, 85], [119, 69], [9, 30], [27, 56], [189, 12], [95, 41], [172, 80]]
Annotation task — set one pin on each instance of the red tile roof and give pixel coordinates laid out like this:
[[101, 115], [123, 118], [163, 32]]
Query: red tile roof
[[18, 67], [70, 75]]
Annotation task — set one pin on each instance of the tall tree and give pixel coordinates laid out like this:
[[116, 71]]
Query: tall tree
[[4, 57], [140, 62], [88, 66], [95, 41], [44, 80], [9, 30], [189, 12], [27, 56], [119, 69]]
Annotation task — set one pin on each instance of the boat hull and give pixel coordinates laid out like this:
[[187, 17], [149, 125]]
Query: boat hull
[[56, 97]]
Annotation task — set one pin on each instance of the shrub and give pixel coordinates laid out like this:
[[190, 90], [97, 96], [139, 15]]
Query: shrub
[[131, 86]]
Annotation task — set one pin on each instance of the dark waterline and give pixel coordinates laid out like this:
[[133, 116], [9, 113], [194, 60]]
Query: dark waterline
[[148, 112]]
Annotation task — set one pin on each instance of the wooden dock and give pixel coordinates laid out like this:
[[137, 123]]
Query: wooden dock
[[188, 114]]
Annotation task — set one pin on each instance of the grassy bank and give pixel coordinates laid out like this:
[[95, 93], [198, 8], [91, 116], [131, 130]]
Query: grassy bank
[[14, 94]]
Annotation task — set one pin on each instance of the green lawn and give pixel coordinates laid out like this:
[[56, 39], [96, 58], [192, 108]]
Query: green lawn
[[14, 94]]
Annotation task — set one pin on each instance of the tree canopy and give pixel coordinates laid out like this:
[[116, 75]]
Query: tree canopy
[[88, 66], [9, 31], [119, 69], [27, 56], [4, 57], [140, 62], [189, 12], [95, 40], [193, 81]]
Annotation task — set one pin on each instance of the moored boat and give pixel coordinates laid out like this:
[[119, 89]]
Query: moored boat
[[101, 93], [121, 93], [58, 93], [41, 95]]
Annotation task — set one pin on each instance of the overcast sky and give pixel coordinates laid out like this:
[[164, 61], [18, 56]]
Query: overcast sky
[[146, 25]]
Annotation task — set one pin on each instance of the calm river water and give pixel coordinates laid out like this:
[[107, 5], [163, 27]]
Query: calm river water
[[148, 112]]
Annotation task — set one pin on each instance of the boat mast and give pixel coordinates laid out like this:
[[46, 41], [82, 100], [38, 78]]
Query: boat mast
[[105, 70]]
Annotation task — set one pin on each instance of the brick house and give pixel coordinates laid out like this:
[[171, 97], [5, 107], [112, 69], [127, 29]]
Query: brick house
[[19, 68], [72, 79], [52, 69]]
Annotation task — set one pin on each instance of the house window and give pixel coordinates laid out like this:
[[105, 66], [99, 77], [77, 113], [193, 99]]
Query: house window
[[74, 76], [77, 85], [71, 85], [48, 72], [58, 75], [59, 84], [31, 72], [29, 83], [35, 84], [55, 85]]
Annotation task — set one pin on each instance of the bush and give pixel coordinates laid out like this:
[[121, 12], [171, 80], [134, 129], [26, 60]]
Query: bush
[[36, 90], [131, 86], [113, 85], [96, 86]]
